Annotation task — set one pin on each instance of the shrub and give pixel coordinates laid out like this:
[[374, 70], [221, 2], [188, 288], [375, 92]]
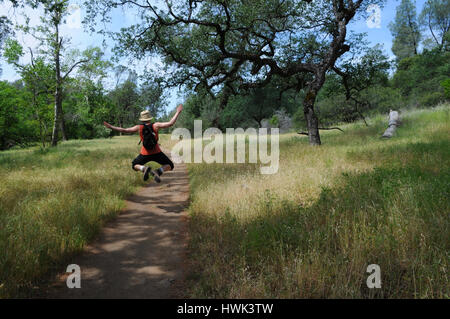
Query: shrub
[[432, 99], [446, 86]]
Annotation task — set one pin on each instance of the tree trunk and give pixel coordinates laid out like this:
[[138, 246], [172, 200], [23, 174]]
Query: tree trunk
[[57, 117], [312, 122], [62, 124], [58, 93]]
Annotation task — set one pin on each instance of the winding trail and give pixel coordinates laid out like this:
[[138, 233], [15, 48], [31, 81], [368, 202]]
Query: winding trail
[[139, 254]]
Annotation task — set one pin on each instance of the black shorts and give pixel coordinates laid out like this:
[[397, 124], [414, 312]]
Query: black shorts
[[159, 158]]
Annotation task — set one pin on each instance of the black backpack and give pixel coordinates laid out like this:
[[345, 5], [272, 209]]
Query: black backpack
[[149, 137]]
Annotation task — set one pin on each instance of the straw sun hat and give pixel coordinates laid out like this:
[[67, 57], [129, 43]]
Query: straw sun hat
[[145, 116]]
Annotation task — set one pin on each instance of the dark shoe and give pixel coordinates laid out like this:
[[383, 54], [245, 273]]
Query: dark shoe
[[156, 175], [147, 171], [159, 172]]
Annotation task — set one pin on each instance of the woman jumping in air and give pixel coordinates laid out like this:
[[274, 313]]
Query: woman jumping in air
[[151, 151]]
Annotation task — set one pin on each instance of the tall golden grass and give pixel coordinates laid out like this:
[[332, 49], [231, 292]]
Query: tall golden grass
[[54, 201], [311, 230]]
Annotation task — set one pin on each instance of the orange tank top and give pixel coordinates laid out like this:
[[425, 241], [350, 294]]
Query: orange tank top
[[144, 151]]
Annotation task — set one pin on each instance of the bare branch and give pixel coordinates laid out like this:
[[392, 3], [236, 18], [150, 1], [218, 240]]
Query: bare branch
[[323, 128], [73, 67]]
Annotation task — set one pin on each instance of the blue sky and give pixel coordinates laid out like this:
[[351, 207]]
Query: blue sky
[[82, 39], [383, 35]]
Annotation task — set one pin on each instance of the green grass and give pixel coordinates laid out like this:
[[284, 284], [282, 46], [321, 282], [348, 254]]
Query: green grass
[[311, 230], [54, 201]]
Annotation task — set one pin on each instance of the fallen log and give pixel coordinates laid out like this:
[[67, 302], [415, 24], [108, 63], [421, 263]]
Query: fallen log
[[323, 128], [394, 122]]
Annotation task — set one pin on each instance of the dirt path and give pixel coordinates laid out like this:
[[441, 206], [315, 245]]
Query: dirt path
[[140, 253]]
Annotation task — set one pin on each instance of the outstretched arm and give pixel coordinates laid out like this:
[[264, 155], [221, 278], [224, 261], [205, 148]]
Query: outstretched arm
[[123, 130], [159, 125]]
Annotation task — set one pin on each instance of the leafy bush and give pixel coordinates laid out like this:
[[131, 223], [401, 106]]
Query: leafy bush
[[446, 86], [432, 99]]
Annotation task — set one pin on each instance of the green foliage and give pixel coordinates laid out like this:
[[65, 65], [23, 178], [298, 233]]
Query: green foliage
[[17, 124], [222, 46], [86, 107], [12, 51], [244, 110], [431, 99], [250, 108], [152, 96], [446, 86], [86, 103], [125, 98], [384, 98], [416, 82], [419, 78], [435, 18], [406, 30], [354, 89]]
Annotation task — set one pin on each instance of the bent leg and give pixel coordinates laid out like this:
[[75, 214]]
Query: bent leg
[[138, 163], [165, 162]]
